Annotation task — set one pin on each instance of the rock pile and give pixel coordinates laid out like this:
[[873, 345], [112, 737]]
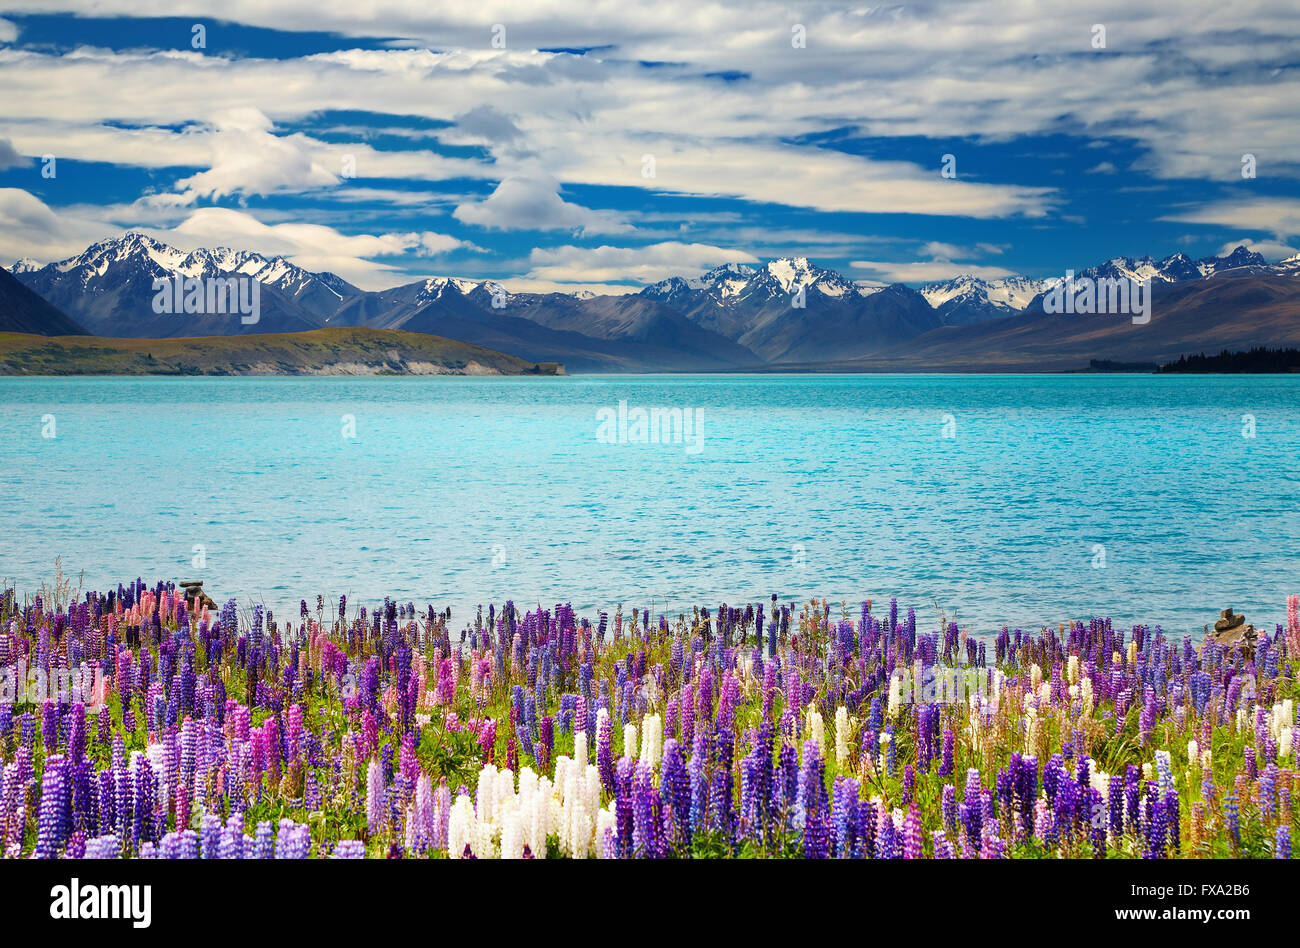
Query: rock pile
[[195, 597], [1232, 632]]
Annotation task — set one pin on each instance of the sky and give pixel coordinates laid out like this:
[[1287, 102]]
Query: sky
[[605, 144]]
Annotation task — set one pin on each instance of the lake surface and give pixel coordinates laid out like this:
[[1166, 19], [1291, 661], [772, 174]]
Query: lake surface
[[996, 499]]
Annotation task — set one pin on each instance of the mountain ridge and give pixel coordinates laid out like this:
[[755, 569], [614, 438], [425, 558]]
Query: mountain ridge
[[787, 311]]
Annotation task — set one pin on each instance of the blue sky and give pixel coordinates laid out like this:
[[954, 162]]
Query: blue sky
[[410, 140]]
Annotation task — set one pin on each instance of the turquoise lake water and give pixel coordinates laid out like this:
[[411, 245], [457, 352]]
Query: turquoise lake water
[[1053, 497]]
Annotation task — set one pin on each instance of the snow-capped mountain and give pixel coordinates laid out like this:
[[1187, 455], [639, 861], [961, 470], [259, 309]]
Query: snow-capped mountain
[[969, 299], [790, 309], [784, 311], [108, 288], [739, 284]]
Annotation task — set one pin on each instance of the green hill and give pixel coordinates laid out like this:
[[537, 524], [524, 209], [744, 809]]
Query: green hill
[[340, 351]]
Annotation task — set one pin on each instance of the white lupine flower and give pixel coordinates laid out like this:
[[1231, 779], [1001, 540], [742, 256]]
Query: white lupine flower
[[1031, 734], [486, 792], [539, 817], [1045, 694], [591, 787], [841, 736], [569, 836], [527, 782], [652, 739], [1072, 669], [816, 729], [1035, 676], [1193, 753], [460, 827], [1284, 741], [1147, 771], [629, 740], [1085, 693], [582, 830], [1281, 717], [580, 747], [512, 833], [1099, 780], [895, 694]]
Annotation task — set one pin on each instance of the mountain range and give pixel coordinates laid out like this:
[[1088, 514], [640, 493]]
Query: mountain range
[[788, 312]]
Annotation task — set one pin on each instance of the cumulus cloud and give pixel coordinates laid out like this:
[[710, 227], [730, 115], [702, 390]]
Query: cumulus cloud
[[534, 203], [247, 158], [30, 228], [1189, 102], [312, 246]]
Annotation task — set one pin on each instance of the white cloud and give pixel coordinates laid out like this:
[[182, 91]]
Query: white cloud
[[29, 228], [534, 203], [646, 264], [8, 31], [1272, 250], [312, 246], [926, 271], [247, 158], [1277, 216]]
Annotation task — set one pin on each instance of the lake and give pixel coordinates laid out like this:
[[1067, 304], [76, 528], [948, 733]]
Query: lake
[[1024, 500]]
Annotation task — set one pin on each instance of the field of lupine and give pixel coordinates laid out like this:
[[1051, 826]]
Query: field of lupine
[[141, 724]]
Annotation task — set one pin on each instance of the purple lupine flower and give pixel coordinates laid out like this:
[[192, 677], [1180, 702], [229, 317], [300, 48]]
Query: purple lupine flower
[[811, 803], [349, 849], [103, 847], [675, 787], [973, 814], [912, 836], [53, 821], [844, 816]]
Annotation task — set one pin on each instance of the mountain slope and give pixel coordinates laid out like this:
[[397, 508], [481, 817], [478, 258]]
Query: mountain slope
[[1234, 311], [22, 310]]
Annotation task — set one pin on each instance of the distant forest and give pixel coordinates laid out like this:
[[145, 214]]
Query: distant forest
[[1258, 360]]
